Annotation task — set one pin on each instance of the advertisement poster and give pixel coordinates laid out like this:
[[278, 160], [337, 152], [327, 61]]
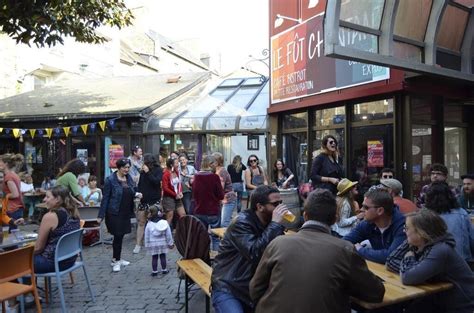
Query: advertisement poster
[[375, 153], [30, 155], [81, 154], [115, 153]]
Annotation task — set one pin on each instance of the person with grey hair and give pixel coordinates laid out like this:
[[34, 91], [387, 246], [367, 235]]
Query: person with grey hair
[[395, 188], [328, 279], [382, 227]]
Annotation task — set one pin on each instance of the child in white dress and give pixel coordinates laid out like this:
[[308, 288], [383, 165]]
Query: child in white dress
[[158, 239]]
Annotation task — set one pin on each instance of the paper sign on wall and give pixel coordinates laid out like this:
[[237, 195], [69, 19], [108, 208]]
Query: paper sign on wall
[[375, 153]]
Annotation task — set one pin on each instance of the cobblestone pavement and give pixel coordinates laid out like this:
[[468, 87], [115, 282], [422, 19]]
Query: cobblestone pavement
[[130, 290]]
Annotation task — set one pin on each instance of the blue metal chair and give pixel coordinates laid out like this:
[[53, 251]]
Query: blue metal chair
[[68, 246]]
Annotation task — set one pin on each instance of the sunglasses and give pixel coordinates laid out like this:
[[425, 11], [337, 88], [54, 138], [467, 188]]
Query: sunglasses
[[387, 176], [275, 203], [253, 160], [332, 142]]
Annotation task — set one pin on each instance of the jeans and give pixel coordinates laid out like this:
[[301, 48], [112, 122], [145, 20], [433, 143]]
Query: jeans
[[224, 302], [187, 202], [212, 221], [30, 203], [239, 189], [15, 215], [226, 212], [44, 265]]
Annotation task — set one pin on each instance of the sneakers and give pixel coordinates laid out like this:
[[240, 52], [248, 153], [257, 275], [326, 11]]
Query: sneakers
[[116, 266], [136, 250], [154, 274], [121, 262], [165, 271]]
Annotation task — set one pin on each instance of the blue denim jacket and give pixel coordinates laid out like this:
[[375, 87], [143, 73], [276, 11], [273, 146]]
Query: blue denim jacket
[[459, 225], [382, 244], [112, 195]]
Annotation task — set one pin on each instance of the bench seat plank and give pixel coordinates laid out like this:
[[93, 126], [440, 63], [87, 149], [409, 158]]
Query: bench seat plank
[[199, 272]]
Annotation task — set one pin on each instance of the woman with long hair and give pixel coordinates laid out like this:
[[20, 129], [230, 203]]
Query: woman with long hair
[[326, 170], [254, 174], [62, 218], [441, 200], [68, 178], [235, 171], [282, 175], [9, 165], [230, 198], [149, 186], [347, 207], [117, 208], [432, 257], [172, 190]]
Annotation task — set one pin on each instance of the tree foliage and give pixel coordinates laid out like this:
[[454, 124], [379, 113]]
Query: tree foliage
[[46, 22]]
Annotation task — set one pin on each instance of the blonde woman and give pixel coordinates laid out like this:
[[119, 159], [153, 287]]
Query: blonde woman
[[235, 171], [346, 207], [230, 198], [326, 171]]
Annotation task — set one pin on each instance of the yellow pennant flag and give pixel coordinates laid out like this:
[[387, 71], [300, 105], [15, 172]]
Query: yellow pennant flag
[[84, 128], [32, 132], [102, 125], [66, 130], [16, 132], [49, 132]]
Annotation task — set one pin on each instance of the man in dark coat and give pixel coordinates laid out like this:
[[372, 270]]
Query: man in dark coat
[[242, 247], [313, 271]]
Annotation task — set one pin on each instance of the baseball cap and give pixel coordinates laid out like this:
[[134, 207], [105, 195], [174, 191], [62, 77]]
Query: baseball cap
[[393, 184]]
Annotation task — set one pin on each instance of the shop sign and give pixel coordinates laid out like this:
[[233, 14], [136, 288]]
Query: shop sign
[[115, 153], [375, 153], [253, 142], [299, 67]]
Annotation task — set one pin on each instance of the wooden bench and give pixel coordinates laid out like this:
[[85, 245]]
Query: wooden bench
[[200, 274]]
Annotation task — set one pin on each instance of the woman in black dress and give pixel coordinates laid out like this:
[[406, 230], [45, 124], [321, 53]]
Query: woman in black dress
[[326, 171], [117, 208]]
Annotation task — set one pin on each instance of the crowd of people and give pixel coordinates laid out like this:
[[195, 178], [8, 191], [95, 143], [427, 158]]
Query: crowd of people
[[257, 268]]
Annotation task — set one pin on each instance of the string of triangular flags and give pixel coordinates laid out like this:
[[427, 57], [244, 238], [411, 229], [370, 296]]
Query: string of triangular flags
[[59, 130]]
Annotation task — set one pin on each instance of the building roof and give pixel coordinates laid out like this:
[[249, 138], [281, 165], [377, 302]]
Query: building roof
[[114, 96]]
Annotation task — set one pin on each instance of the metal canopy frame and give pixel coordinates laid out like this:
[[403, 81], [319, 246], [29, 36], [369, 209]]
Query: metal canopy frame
[[386, 38]]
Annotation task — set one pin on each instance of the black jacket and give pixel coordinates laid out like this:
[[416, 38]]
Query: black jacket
[[322, 166], [239, 253], [150, 185]]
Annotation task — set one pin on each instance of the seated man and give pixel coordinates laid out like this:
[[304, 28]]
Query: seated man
[[438, 173], [242, 247], [395, 189], [294, 276], [466, 197], [382, 227]]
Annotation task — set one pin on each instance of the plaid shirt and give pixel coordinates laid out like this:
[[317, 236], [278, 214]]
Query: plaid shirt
[[420, 201]]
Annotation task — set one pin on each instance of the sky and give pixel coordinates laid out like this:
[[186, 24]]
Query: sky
[[229, 31]]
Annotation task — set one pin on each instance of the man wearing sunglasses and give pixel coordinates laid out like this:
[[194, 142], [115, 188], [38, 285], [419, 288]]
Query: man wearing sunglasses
[[438, 173], [242, 247], [387, 173], [382, 227]]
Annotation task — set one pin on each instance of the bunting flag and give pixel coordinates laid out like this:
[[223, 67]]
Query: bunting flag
[[101, 124], [84, 128], [56, 131], [16, 132], [49, 132]]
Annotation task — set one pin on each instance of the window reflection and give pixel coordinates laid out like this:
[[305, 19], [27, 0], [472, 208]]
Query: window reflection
[[362, 12], [374, 110], [451, 30], [330, 117], [296, 120], [455, 152], [412, 19]]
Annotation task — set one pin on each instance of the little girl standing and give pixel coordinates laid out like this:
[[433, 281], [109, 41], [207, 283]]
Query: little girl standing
[[158, 239]]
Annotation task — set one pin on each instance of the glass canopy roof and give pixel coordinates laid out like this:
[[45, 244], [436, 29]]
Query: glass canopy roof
[[232, 104]]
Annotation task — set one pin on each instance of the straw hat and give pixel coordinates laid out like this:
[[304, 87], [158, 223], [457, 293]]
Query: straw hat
[[344, 186], [162, 225]]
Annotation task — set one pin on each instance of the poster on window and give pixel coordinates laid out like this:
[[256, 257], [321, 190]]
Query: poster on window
[[375, 153], [30, 155], [115, 153], [81, 154]]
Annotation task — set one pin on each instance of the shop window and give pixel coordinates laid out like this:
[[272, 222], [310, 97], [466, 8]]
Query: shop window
[[421, 109], [372, 150], [84, 148], [422, 155], [330, 117], [338, 133], [455, 154], [454, 114], [165, 145], [295, 155], [374, 110], [188, 144], [295, 121]]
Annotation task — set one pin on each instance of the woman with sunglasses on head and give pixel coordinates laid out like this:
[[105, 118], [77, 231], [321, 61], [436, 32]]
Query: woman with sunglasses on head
[[254, 174], [117, 208], [326, 171], [431, 257]]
